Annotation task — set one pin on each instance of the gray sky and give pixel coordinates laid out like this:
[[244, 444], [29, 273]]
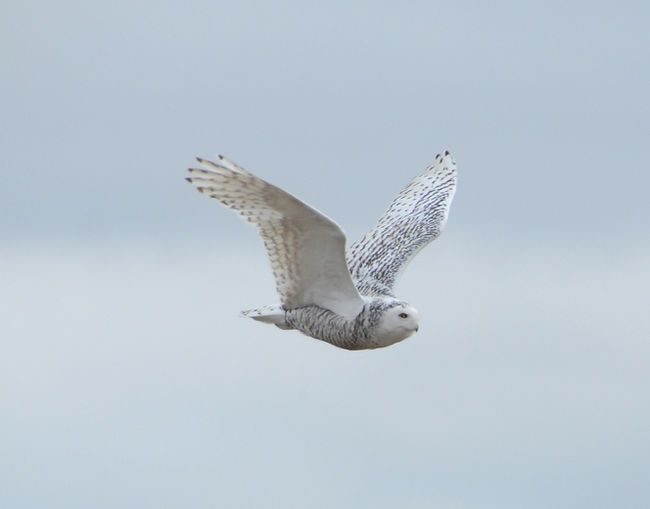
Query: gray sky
[[128, 380]]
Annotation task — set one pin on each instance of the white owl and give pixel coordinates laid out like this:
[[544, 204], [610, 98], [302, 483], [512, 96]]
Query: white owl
[[344, 300]]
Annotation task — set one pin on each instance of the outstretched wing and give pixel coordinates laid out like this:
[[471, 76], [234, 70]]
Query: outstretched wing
[[415, 218], [306, 248]]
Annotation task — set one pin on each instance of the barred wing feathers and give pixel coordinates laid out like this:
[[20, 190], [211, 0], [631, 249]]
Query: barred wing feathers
[[306, 248], [414, 218]]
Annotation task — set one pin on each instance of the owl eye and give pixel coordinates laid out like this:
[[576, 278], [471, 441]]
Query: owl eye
[[403, 315]]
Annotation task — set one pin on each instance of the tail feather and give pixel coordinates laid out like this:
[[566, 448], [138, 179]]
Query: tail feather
[[268, 314]]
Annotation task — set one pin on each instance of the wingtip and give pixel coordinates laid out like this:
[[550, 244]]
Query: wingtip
[[189, 179]]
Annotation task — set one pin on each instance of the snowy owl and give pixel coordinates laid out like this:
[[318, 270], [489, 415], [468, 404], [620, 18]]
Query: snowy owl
[[345, 299]]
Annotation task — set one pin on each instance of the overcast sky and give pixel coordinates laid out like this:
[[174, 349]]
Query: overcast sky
[[127, 380]]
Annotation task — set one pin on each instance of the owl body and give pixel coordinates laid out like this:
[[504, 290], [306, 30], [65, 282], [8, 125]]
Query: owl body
[[377, 325]]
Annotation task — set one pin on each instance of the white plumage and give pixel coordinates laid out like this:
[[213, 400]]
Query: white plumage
[[349, 301]]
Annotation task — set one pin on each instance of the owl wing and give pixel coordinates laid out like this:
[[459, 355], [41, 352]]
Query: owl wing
[[415, 218], [306, 248]]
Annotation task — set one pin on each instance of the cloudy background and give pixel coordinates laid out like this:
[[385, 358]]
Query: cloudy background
[[127, 379]]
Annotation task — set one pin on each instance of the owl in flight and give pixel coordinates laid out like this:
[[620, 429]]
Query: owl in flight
[[343, 298]]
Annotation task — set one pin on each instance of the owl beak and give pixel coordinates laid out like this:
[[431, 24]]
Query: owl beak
[[417, 328]]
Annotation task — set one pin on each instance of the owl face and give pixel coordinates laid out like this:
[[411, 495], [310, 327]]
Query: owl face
[[397, 323]]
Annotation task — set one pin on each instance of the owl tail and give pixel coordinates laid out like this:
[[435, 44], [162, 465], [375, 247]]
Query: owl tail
[[268, 314]]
